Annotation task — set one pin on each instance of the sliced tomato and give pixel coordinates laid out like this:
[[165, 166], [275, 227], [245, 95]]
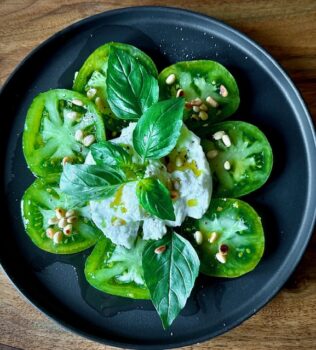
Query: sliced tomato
[[91, 79], [240, 158], [229, 238], [51, 130], [39, 205], [210, 91], [117, 270]]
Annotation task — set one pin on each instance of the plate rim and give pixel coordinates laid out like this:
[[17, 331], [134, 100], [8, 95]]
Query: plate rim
[[309, 214]]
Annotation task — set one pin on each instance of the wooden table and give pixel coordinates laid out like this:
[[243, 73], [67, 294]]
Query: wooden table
[[287, 29]]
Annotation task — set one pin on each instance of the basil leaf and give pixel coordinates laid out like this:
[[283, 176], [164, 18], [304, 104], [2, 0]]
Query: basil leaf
[[154, 197], [170, 274], [158, 130], [88, 182], [110, 154], [131, 90]]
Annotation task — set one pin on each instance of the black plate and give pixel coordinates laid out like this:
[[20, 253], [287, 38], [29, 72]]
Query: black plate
[[287, 203]]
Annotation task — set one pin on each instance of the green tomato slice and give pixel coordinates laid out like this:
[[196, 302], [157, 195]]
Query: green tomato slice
[[91, 79], [241, 161], [206, 80], [38, 206], [117, 270], [232, 229], [50, 129]]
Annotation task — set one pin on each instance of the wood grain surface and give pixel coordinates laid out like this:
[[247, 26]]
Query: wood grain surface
[[287, 29]]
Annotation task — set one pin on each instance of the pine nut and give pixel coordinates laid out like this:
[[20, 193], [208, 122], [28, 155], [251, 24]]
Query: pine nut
[[52, 221], [70, 212], [58, 236], [62, 223], [218, 135], [72, 115], [77, 102], [196, 109], [226, 140], [50, 233], [180, 93], [67, 230], [198, 237], [203, 115], [213, 237], [60, 213], [227, 165], [161, 249], [72, 219], [174, 194], [88, 140], [195, 116], [212, 154], [196, 102], [66, 160], [171, 79], [99, 102], [220, 257], [210, 100], [91, 93], [203, 107], [79, 135], [223, 91], [179, 162]]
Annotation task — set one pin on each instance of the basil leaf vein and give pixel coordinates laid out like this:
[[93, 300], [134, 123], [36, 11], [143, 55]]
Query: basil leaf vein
[[170, 275], [154, 197], [158, 130], [131, 90]]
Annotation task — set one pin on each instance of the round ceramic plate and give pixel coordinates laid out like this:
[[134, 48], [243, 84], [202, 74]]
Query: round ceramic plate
[[56, 284]]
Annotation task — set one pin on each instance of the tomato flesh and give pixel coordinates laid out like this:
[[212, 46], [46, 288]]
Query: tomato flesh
[[50, 129], [249, 156], [117, 270]]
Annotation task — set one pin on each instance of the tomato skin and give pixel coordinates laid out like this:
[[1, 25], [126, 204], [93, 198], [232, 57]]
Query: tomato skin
[[108, 262], [201, 79], [237, 228], [38, 205], [49, 136], [92, 74], [250, 158]]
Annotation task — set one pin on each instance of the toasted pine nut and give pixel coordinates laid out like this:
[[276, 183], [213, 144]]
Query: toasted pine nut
[[198, 237], [213, 237], [161, 249], [195, 116], [174, 194], [72, 219], [171, 79], [212, 154], [210, 100], [60, 213], [77, 102], [203, 115], [226, 140], [196, 102], [220, 257], [66, 160], [179, 162], [72, 115], [203, 107], [62, 223], [227, 165], [58, 236], [70, 212], [50, 233], [180, 93], [91, 93], [79, 135], [218, 135], [67, 230], [52, 221], [88, 140], [196, 109], [223, 91]]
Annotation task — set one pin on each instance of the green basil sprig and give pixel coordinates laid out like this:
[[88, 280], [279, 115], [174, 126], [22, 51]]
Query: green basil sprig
[[158, 130], [170, 266], [154, 197], [131, 90], [90, 182]]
